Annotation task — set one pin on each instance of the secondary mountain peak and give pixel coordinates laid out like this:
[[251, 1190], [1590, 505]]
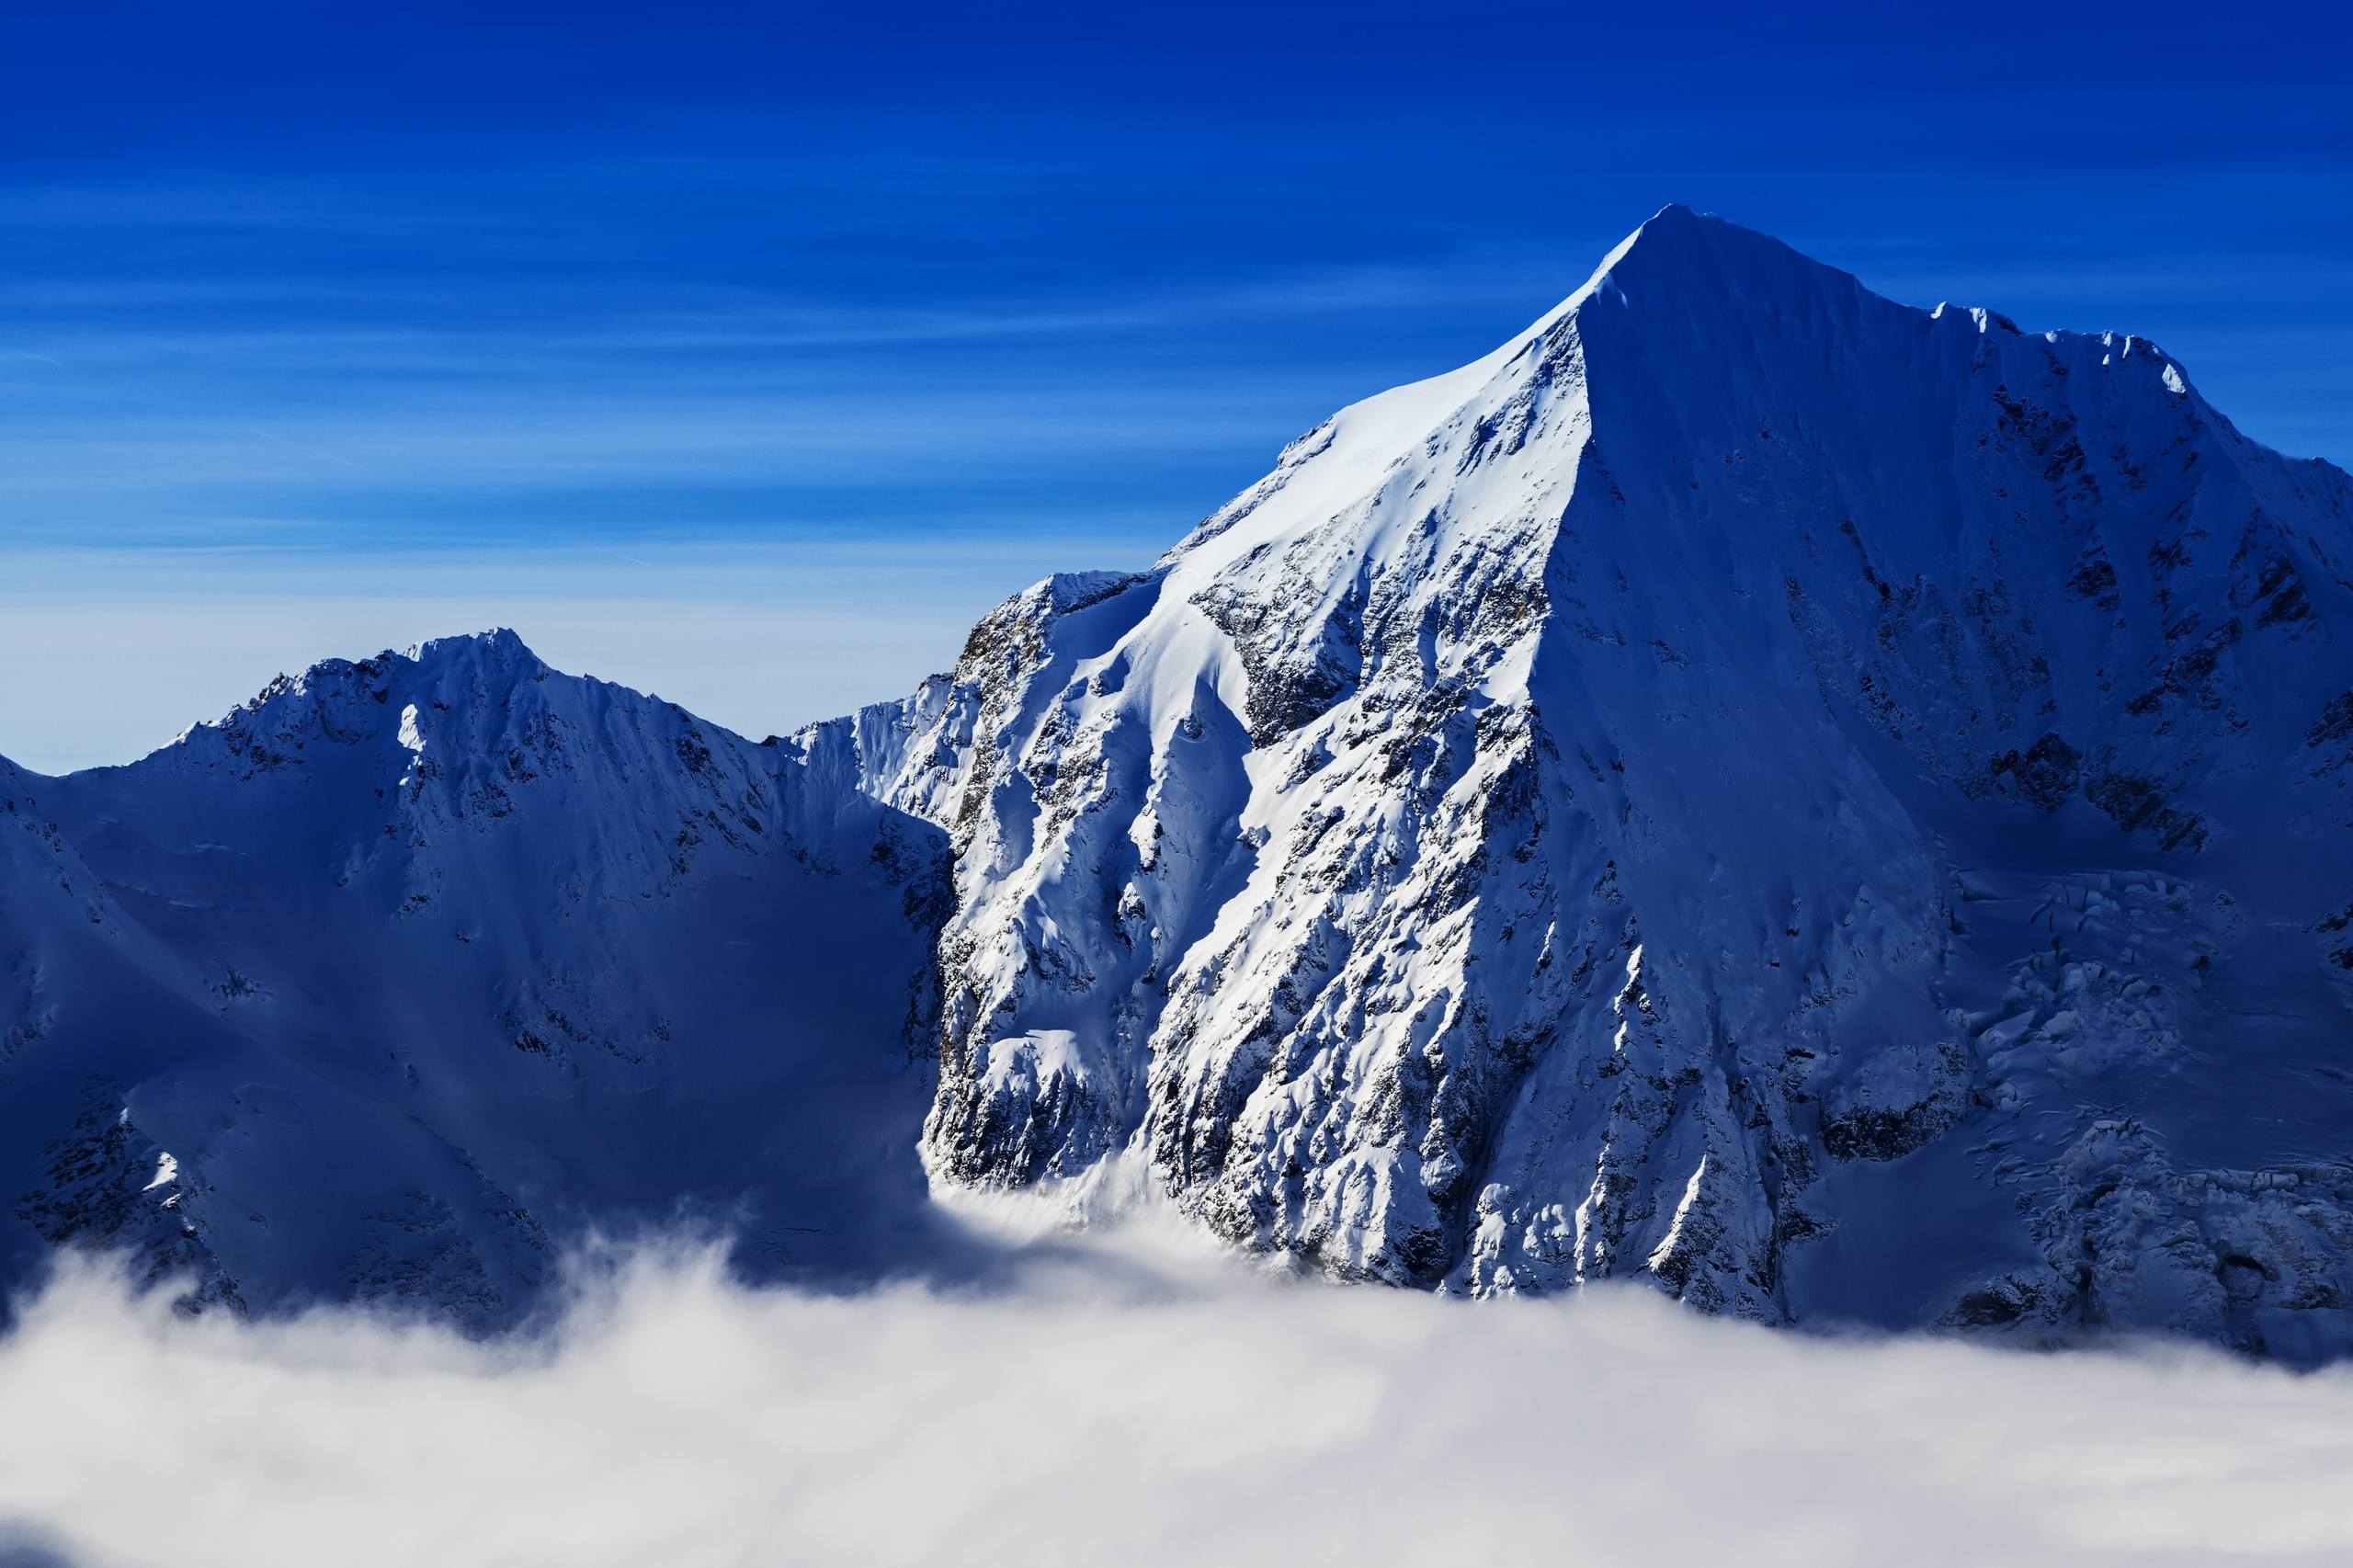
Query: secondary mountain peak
[[497, 647], [419, 963], [345, 701]]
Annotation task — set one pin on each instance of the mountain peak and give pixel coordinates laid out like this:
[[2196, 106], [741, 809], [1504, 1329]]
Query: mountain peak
[[496, 657], [1674, 220], [1679, 246], [345, 698], [497, 647], [1682, 264], [1392, 874]]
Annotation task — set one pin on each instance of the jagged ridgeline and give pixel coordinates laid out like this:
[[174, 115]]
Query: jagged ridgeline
[[1835, 811]]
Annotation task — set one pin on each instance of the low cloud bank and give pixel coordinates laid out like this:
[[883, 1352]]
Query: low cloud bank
[[1128, 1401]]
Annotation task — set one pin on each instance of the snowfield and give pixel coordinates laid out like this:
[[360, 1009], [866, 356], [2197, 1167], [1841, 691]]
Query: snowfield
[[1834, 812]]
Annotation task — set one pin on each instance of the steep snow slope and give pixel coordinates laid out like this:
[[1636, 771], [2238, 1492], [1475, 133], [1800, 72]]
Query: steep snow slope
[[1837, 810], [413, 968]]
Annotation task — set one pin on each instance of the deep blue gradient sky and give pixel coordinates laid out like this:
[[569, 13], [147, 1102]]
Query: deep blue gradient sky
[[746, 354]]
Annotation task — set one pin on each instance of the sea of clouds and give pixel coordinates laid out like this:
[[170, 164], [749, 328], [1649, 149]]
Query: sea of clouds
[[1127, 1399]]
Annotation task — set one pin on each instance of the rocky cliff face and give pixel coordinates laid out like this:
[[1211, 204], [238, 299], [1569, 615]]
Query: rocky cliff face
[[1836, 810]]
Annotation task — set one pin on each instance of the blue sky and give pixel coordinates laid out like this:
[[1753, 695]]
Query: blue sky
[[748, 355]]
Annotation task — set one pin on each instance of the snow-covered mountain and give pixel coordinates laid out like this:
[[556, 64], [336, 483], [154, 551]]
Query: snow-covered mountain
[[412, 971], [1837, 811]]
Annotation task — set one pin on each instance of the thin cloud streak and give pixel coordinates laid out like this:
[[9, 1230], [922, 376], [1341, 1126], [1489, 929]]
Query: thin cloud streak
[[748, 321], [697, 444]]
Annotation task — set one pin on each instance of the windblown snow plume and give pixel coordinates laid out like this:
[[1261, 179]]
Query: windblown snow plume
[[1127, 1401]]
